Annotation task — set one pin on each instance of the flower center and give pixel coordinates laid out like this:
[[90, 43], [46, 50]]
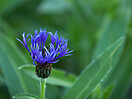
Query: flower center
[[43, 71]]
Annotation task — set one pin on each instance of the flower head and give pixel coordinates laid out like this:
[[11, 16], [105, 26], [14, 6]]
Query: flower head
[[44, 55]]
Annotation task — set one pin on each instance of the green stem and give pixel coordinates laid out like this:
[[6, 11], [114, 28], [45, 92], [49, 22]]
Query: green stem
[[42, 88]]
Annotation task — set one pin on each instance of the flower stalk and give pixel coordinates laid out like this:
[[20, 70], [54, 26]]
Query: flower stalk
[[43, 55], [42, 88]]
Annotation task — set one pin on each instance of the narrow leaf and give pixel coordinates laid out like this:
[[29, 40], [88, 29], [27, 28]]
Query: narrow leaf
[[11, 77], [25, 96], [10, 58], [122, 75], [53, 6], [93, 74], [117, 27], [58, 77]]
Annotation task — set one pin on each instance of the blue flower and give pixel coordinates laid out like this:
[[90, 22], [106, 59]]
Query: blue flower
[[42, 54]]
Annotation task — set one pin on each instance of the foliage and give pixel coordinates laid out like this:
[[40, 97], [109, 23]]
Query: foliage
[[99, 32]]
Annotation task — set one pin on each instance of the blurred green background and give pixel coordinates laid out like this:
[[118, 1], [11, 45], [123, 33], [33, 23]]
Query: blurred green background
[[90, 25]]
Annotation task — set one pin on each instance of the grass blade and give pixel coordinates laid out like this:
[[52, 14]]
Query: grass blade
[[123, 74], [88, 80], [10, 58], [25, 96]]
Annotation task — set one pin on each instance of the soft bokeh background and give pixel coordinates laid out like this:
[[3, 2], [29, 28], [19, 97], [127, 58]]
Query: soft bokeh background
[[84, 23]]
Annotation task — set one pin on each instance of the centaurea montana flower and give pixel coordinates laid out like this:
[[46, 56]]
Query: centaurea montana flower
[[43, 56]]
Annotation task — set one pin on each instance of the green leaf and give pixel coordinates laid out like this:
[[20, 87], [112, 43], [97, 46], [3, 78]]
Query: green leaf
[[58, 77], [115, 28], [54, 6], [61, 78], [107, 91], [2, 82], [8, 5], [25, 96], [10, 58], [101, 93], [10, 74], [122, 75], [6, 29], [94, 73]]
